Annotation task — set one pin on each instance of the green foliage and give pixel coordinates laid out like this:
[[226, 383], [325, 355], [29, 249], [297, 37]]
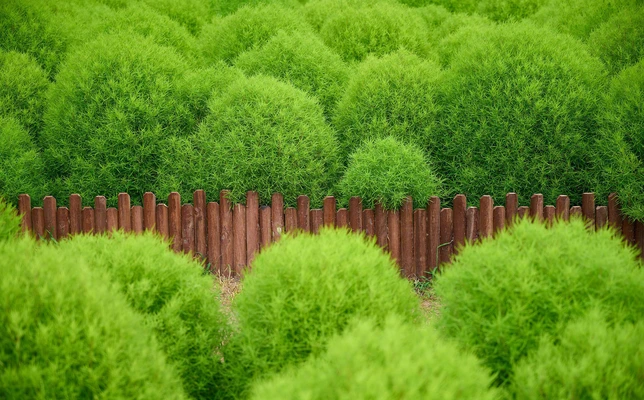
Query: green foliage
[[191, 14], [249, 27], [518, 114], [227, 7], [21, 167], [500, 296], [590, 360], [304, 289], [389, 362], [496, 10], [22, 90], [387, 171], [66, 333], [619, 42], [302, 60], [620, 154], [262, 135], [172, 293], [379, 29], [389, 96], [9, 221], [115, 103], [317, 12], [456, 31]]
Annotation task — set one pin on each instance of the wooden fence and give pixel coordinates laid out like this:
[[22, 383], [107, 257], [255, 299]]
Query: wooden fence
[[227, 237]]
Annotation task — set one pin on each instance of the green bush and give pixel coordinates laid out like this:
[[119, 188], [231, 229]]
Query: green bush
[[171, 292], [590, 360], [23, 85], [620, 154], [191, 14], [227, 7], [496, 10], [619, 42], [387, 171], [302, 60], [379, 29], [457, 31], [499, 297], [66, 333], [249, 27], [390, 362], [262, 135], [115, 103], [317, 12], [389, 96], [9, 221], [306, 288], [518, 114], [21, 166]]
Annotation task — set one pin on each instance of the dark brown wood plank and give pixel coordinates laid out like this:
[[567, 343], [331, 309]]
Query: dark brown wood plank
[[62, 223], [214, 237], [290, 219], [239, 238], [303, 208], [112, 218], [329, 207], [265, 229], [355, 214], [75, 214], [459, 208], [511, 208], [100, 214], [49, 210], [639, 238], [24, 208], [523, 212], [188, 228], [393, 227], [536, 207], [162, 221], [277, 218], [252, 226], [614, 213], [499, 219], [124, 207], [563, 207], [407, 237], [472, 224], [149, 211], [342, 217], [420, 242], [601, 217], [369, 222], [447, 244], [433, 231], [576, 212], [380, 225], [38, 222], [549, 213], [486, 217], [317, 220], [88, 220], [588, 208], [226, 225], [174, 221], [628, 231], [137, 219], [201, 220]]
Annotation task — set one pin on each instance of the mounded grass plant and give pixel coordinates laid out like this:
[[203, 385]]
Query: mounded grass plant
[[389, 96], [590, 360], [23, 85], [21, 166], [378, 29], [499, 297], [265, 135], [317, 12], [386, 171], [302, 60], [496, 10], [304, 289], [369, 361], [178, 302], [114, 104], [191, 14], [67, 333], [249, 27], [518, 114]]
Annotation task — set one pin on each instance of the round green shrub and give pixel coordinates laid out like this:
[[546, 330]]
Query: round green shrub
[[115, 103], [518, 114], [227, 7], [250, 26], [384, 27], [191, 14], [619, 42], [386, 171], [317, 12], [499, 297], [302, 60], [620, 154], [389, 96], [456, 31], [67, 333], [496, 10], [23, 85], [389, 362], [304, 289], [590, 360], [179, 303], [21, 166], [9, 221], [266, 136]]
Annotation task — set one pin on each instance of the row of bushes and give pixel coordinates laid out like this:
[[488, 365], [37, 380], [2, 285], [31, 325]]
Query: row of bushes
[[535, 313], [131, 96]]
